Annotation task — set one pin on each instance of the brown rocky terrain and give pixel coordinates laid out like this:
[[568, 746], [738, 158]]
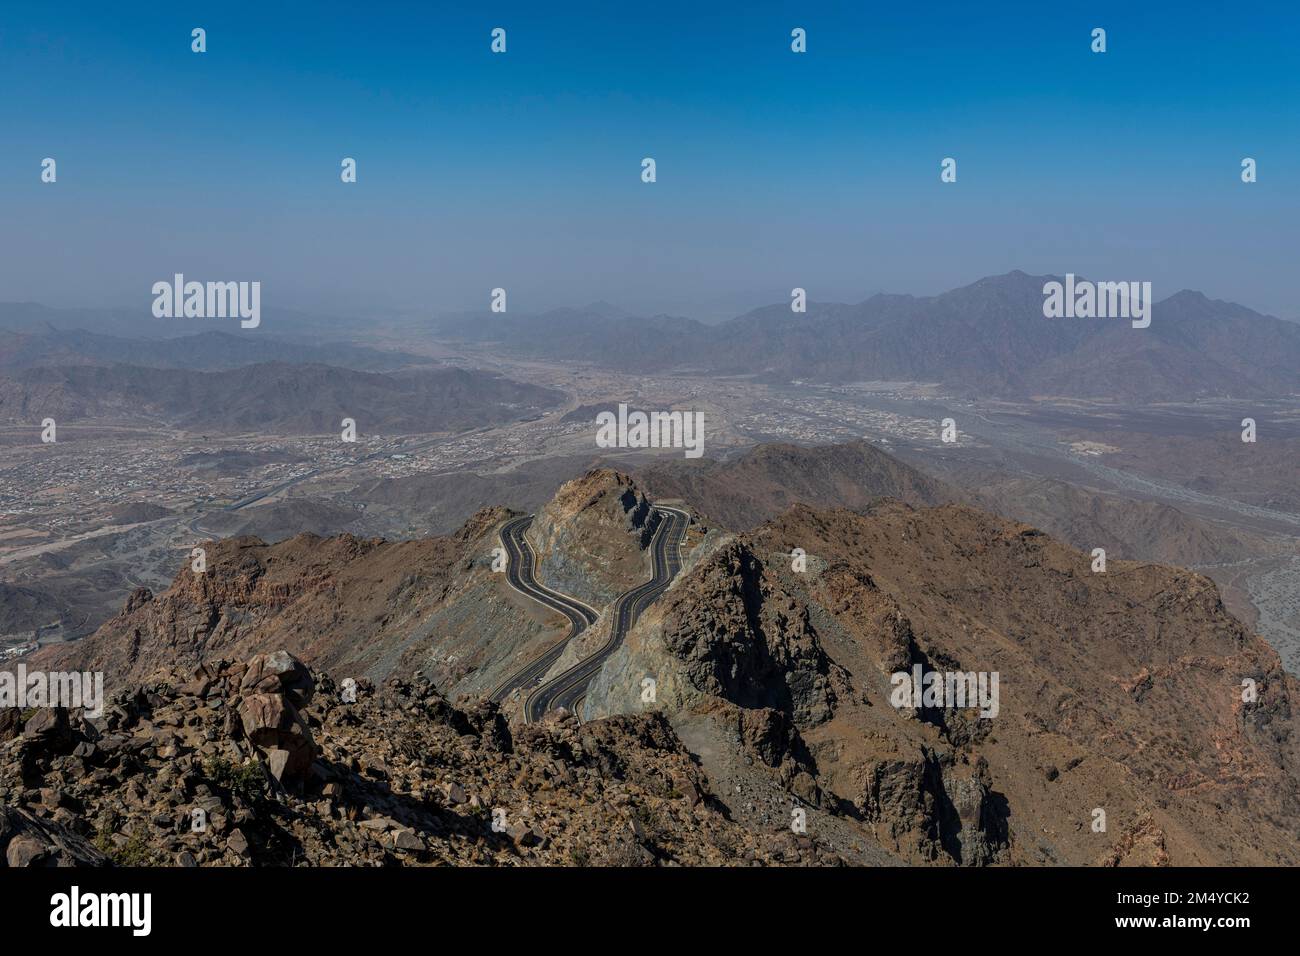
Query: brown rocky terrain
[[440, 503], [768, 479], [1121, 691], [1125, 527], [591, 537], [264, 763], [361, 607], [287, 518], [23, 610]]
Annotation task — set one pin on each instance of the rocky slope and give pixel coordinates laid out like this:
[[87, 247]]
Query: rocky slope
[[1120, 691], [364, 607], [264, 763], [23, 610], [1123, 692], [591, 537], [1125, 527], [768, 479]]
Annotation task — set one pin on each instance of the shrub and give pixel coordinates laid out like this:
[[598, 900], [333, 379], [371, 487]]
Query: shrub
[[246, 779]]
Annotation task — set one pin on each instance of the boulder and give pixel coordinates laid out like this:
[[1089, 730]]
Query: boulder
[[272, 689], [280, 672], [27, 840], [405, 839], [50, 727], [11, 723], [454, 793], [523, 835]]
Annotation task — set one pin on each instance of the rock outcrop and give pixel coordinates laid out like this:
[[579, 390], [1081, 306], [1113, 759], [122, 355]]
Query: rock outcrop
[[272, 689], [760, 688], [591, 537], [183, 770], [1123, 691], [358, 607], [28, 840]]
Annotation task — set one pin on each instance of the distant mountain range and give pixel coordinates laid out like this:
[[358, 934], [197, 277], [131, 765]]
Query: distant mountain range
[[140, 323], [44, 345], [989, 338], [272, 397]]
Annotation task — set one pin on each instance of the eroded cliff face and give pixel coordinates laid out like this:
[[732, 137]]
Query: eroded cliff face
[[591, 538], [1120, 692], [730, 631]]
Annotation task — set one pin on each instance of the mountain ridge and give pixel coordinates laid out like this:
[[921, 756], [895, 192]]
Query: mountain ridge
[[277, 397], [988, 338], [1120, 690]]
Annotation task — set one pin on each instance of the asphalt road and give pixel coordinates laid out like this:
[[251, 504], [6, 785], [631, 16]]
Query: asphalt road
[[570, 687], [521, 565]]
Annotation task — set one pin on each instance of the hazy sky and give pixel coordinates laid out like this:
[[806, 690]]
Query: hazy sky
[[522, 170]]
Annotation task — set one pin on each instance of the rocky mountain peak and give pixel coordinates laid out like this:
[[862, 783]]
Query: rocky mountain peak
[[592, 535], [602, 489], [1120, 690]]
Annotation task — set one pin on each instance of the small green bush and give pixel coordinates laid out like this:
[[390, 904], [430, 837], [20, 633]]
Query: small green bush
[[135, 852], [246, 779]]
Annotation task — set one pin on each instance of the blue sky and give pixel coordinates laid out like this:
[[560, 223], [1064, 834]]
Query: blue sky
[[523, 170]]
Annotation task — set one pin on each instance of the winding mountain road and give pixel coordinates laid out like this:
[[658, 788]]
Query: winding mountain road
[[521, 567], [569, 687]]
